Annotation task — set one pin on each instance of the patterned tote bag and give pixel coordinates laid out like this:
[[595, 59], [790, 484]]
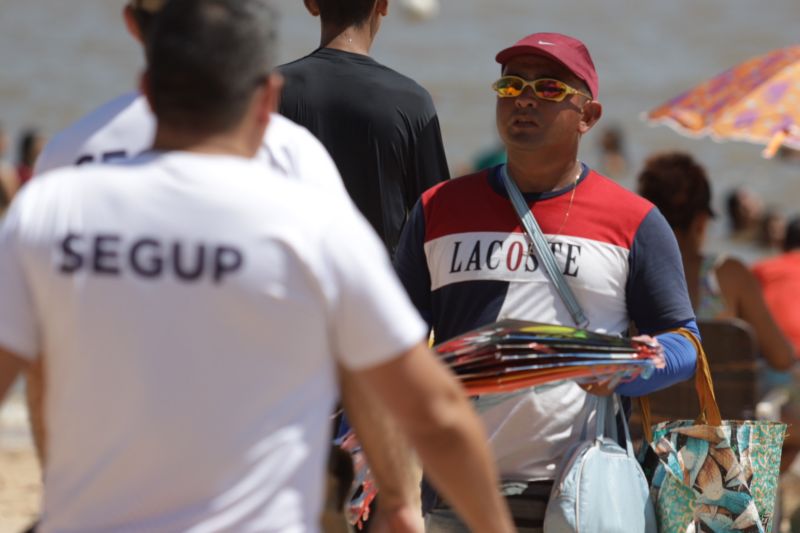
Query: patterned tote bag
[[713, 475]]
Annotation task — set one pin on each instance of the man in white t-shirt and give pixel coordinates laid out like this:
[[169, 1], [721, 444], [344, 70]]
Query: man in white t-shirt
[[191, 314], [125, 127]]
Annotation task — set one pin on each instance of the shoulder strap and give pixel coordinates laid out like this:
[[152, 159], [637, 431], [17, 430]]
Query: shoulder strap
[[537, 240]]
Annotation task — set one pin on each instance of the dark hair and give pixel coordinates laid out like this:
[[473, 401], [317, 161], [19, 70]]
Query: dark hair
[[345, 13], [205, 59], [27, 143], [678, 186], [792, 238], [766, 230], [733, 205], [612, 139]]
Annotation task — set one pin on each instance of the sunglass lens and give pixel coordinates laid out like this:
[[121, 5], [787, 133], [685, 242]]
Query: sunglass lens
[[508, 87], [550, 90]]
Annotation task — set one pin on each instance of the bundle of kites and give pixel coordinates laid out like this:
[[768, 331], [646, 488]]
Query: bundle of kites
[[513, 355]]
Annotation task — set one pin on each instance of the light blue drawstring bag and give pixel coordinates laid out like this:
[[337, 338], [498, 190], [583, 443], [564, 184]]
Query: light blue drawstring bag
[[600, 487]]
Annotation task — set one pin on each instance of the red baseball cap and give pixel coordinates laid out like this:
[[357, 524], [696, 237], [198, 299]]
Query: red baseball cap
[[567, 50]]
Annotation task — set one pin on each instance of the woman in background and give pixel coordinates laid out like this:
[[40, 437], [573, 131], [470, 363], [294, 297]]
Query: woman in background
[[8, 176], [719, 286], [30, 145]]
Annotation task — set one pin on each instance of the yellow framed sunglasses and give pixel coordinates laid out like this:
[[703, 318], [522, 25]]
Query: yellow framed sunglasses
[[544, 88]]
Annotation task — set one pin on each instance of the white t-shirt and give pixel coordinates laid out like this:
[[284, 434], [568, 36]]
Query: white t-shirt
[[125, 127], [191, 312]]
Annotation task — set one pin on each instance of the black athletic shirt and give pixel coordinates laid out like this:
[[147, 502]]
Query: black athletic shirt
[[379, 126]]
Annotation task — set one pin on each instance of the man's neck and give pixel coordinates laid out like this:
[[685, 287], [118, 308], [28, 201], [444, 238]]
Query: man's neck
[[211, 144], [353, 39], [538, 176]]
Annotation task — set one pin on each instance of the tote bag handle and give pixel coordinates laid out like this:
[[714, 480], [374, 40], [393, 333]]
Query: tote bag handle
[[703, 384]]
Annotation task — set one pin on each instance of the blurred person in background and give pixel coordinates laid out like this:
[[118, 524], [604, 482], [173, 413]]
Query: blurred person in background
[[744, 210], [31, 143], [613, 155], [779, 278], [488, 158], [772, 231], [720, 286], [8, 175]]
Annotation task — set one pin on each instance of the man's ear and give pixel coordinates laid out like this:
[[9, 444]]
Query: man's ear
[[131, 24], [590, 114], [144, 88], [271, 96], [312, 7], [382, 7]]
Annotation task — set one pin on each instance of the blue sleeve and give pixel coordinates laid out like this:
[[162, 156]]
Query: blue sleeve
[[658, 301], [411, 265], [656, 293], [681, 359]]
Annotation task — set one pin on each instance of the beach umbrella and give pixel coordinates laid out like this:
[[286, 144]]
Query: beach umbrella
[[757, 101]]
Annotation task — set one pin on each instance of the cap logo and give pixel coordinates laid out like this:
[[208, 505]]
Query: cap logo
[[545, 43]]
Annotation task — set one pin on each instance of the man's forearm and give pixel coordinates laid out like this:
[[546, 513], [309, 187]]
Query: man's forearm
[[389, 454], [433, 410], [459, 464], [35, 391], [10, 368], [681, 360]]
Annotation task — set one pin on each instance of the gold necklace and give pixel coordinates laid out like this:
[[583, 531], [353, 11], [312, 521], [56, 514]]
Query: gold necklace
[[571, 198]]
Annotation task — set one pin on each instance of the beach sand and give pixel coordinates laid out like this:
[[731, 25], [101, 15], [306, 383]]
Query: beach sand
[[20, 489], [20, 476]]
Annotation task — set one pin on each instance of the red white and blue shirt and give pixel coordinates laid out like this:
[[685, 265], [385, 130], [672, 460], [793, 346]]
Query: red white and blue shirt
[[463, 257]]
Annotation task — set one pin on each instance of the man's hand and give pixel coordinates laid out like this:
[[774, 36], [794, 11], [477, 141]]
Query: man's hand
[[599, 388], [658, 357], [606, 387]]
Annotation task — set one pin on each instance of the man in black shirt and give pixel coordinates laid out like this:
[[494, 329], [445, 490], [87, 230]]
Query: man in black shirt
[[382, 131], [379, 126]]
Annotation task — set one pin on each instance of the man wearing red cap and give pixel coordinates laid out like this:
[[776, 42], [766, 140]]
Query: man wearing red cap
[[465, 261]]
